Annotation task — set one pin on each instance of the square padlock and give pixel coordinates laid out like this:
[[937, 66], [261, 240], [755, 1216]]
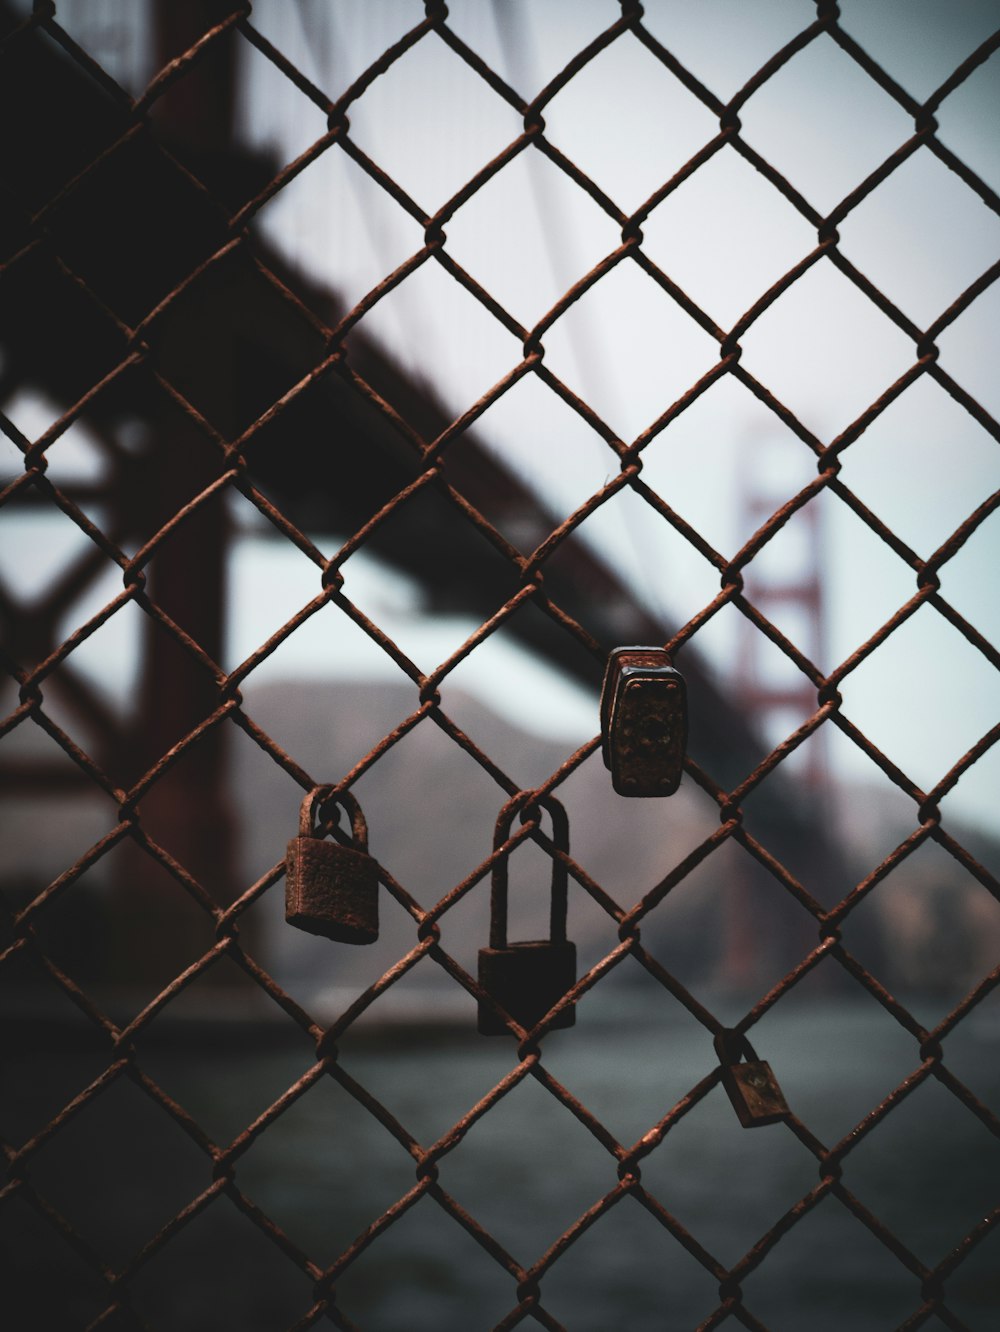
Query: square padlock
[[331, 889], [754, 1092]]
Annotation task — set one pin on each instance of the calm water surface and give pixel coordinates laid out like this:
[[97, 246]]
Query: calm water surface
[[326, 1169]]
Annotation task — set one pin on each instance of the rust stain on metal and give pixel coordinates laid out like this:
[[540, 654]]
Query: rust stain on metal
[[332, 889], [529, 977], [642, 716], [643, 722], [751, 1086]]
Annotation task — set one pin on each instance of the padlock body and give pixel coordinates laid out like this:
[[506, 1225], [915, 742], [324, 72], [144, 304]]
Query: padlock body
[[643, 722], [754, 1092], [526, 979], [331, 890]]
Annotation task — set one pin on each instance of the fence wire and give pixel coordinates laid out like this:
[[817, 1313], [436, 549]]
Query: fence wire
[[138, 350]]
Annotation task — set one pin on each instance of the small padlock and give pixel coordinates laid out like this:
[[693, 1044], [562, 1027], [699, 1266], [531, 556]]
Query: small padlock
[[752, 1087], [332, 889], [527, 978], [643, 722]]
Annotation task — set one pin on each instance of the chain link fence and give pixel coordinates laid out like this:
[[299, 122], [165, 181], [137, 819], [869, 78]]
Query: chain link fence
[[98, 326]]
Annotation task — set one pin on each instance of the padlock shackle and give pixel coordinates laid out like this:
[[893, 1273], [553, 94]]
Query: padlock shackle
[[324, 794], [730, 1044], [499, 876]]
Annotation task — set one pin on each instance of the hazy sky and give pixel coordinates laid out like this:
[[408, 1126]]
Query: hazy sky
[[725, 236]]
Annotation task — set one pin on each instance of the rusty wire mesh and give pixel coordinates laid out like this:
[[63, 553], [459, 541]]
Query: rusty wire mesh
[[138, 349]]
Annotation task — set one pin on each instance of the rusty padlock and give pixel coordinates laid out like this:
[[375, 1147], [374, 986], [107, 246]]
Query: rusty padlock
[[751, 1087], [332, 889], [643, 722], [527, 978]]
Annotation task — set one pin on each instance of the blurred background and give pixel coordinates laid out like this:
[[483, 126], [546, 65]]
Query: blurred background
[[128, 376]]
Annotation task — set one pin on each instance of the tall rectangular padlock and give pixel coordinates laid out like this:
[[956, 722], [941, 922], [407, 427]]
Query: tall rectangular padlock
[[643, 722], [527, 978], [331, 889]]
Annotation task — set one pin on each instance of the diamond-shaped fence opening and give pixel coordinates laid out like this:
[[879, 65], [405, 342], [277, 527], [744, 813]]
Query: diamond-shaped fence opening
[[292, 498]]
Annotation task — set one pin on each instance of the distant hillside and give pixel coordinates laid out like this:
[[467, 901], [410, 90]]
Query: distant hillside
[[431, 810]]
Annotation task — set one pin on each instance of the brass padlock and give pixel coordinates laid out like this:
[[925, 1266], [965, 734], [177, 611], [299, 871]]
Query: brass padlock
[[527, 978], [332, 889], [751, 1087], [643, 722]]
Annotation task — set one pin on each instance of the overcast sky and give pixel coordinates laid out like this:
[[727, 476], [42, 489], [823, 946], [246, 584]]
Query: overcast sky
[[725, 236], [626, 348]]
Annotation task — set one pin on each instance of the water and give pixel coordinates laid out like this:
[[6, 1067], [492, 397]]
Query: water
[[326, 1169]]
